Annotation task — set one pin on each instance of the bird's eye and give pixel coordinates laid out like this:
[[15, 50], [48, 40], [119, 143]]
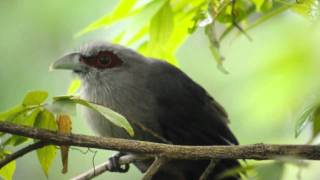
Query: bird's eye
[[104, 60]]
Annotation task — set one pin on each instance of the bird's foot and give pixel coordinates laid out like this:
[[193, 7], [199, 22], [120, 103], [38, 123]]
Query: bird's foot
[[115, 165]]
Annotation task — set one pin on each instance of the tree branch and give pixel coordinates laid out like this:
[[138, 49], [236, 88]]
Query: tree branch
[[22, 152], [100, 169], [209, 169], [155, 166], [256, 151]]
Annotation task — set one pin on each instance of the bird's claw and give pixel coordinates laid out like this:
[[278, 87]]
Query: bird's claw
[[115, 165]]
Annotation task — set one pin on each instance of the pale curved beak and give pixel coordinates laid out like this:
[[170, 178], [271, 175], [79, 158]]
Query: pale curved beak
[[70, 61]]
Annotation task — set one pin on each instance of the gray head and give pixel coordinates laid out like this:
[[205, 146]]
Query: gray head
[[114, 76], [97, 59]]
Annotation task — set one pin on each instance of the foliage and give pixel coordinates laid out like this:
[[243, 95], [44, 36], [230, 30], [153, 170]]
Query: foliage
[[159, 27], [34, 112]]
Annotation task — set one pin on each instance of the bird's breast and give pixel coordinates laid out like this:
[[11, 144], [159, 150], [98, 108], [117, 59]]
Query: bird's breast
[[137, 105]]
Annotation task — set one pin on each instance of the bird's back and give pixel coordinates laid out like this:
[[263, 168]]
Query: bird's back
[[189, 116]]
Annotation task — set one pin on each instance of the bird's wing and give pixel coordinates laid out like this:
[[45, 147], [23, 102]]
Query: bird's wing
[[185, 112]]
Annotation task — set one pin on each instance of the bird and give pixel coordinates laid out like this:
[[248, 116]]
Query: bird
[[160, 101]]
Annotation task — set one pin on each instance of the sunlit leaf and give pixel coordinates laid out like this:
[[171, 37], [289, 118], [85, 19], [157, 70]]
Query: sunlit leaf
[[258, 3], [307, 8], [7, 172], [143, 18], [11, 113], [160, 30], [46, 154], [35, 98], [74, 86], [121, 11], [270, 171]]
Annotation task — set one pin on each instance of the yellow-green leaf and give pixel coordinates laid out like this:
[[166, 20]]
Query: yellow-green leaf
[[74, 86], [316, 123], [26, 120], [160, 30], [46, 155], [9, 114], [46, 120], [6, 173], [307, 8], [121, 11], [35, 98], [114, 117]]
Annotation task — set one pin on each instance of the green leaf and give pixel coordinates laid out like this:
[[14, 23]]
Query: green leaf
[[269, 171], [46, 120], [47, 154], [63, 106], [258, 3], [139, 21], [6, 173], [35, 98], [316, 123], [114, 117], [109, 114], [160, 30], [307, 8], [304, 119], [11, 113], [74, 86], [122, 10], [26, 120]]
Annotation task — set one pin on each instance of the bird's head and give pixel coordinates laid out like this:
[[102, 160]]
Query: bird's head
[[100, 59]]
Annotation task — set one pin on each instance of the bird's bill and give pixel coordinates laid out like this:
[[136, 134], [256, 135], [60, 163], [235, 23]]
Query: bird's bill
[[69, 61]]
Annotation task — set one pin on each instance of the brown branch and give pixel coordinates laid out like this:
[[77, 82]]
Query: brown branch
[[100, 169], [155, 166], [22, 152], [256, 151]]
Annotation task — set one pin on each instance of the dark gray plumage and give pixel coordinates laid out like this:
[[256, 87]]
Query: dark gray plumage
[[155, 94]]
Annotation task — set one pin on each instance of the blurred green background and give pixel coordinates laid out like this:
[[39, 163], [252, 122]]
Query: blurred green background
[[272, 79]]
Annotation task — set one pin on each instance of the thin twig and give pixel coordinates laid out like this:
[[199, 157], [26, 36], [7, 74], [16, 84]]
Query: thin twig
[[234, 20], [21, 152], [100, 169], [154, 168], [209, 169]]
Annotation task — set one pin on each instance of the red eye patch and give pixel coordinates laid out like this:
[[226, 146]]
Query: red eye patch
[[103, 60]]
